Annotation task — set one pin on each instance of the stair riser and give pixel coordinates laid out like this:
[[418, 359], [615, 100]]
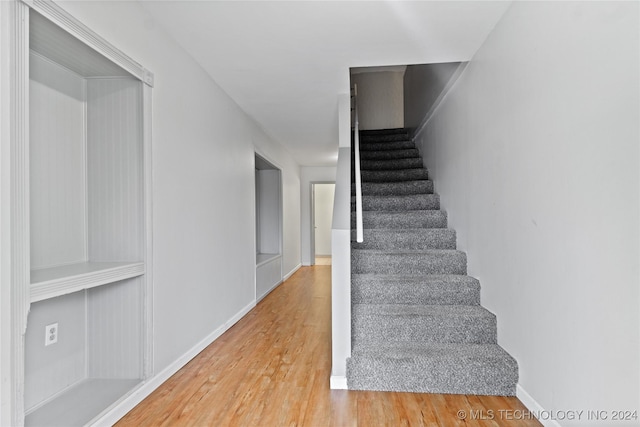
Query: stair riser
[[389, 154], [400, 203], [446, 262], [406, 239], [391, 164], [392, 175], [368, 329], [395, 188], [454, 376], [398, 144], [413, 293], [402, 136], [399, 220], [388, 131]]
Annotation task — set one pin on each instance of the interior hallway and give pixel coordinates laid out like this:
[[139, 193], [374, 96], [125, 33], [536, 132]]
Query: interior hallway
[[272, 369]]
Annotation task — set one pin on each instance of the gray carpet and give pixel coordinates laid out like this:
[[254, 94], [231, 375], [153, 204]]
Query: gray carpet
[[417, 323]]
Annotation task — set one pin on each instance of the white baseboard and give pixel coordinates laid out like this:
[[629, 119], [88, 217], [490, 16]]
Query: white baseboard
[[111, 416], [338, 382], [534, 406], [275, 285], [292, 272], [268, 291]]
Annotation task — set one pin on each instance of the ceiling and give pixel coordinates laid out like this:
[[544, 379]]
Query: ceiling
[[286, 62]]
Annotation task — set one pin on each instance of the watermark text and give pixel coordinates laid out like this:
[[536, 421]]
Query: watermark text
[[568, 415]]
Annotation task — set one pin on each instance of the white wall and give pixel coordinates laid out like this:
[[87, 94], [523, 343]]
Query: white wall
[[380, 99], [57, 156], [7, 395], [268, 211], [309, 174], [341, 268], [323, 213], [423, 85], [203, 185], [535, 156]]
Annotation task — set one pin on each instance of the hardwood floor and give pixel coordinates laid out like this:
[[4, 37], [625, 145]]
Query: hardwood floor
[[272, 369]]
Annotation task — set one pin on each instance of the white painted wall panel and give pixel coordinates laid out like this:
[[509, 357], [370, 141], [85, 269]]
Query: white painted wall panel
[[535, 155], [57, 165], [341, 271], [290, 214], [423, 84], [114, 330], [268, 188], [268, 275], [380, 99], [114, 167], [53, 368], [323, 217]]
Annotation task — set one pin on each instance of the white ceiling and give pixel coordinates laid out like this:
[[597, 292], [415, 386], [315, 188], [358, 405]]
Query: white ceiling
[[286, 62]]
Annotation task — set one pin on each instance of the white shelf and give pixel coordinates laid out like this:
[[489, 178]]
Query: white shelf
[[262, 259], [79, 404], [56, 281]]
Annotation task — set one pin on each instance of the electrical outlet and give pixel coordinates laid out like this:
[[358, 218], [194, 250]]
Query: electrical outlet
[[51, 334]]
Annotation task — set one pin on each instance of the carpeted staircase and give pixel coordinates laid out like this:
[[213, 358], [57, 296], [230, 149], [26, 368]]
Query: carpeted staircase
[[417, 323]]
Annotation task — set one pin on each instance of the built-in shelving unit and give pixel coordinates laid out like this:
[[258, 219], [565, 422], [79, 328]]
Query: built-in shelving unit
[[82, 191], [268, 227]]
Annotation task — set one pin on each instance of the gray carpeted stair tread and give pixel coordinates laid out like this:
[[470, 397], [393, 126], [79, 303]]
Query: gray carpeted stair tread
[[390, 164], [402, 219], [393, 175], [407, 153], [445, 289], [430, 261], [381, 323], [408, 238], [480, 369], [399, 188], [398, 203]]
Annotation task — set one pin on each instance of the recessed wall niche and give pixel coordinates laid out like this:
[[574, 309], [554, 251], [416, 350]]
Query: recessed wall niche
[[268, 191]]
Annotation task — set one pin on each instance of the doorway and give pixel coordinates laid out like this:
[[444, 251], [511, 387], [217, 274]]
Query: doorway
[[322, 194]]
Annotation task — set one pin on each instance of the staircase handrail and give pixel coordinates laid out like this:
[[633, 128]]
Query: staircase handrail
[[356, 151]]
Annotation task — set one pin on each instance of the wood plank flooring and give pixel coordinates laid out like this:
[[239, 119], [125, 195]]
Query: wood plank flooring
[[272, 369]]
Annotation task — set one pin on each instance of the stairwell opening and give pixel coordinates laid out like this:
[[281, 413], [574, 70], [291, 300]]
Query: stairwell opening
[[416, 320]]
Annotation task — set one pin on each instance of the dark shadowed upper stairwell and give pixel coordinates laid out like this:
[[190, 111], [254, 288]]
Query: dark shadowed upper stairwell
[[417, 323]]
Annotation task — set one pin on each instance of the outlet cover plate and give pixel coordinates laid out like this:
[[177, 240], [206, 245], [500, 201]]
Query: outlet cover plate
[[51, 334]]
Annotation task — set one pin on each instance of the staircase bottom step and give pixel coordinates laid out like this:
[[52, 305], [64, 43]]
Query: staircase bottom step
[[481, 369]]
